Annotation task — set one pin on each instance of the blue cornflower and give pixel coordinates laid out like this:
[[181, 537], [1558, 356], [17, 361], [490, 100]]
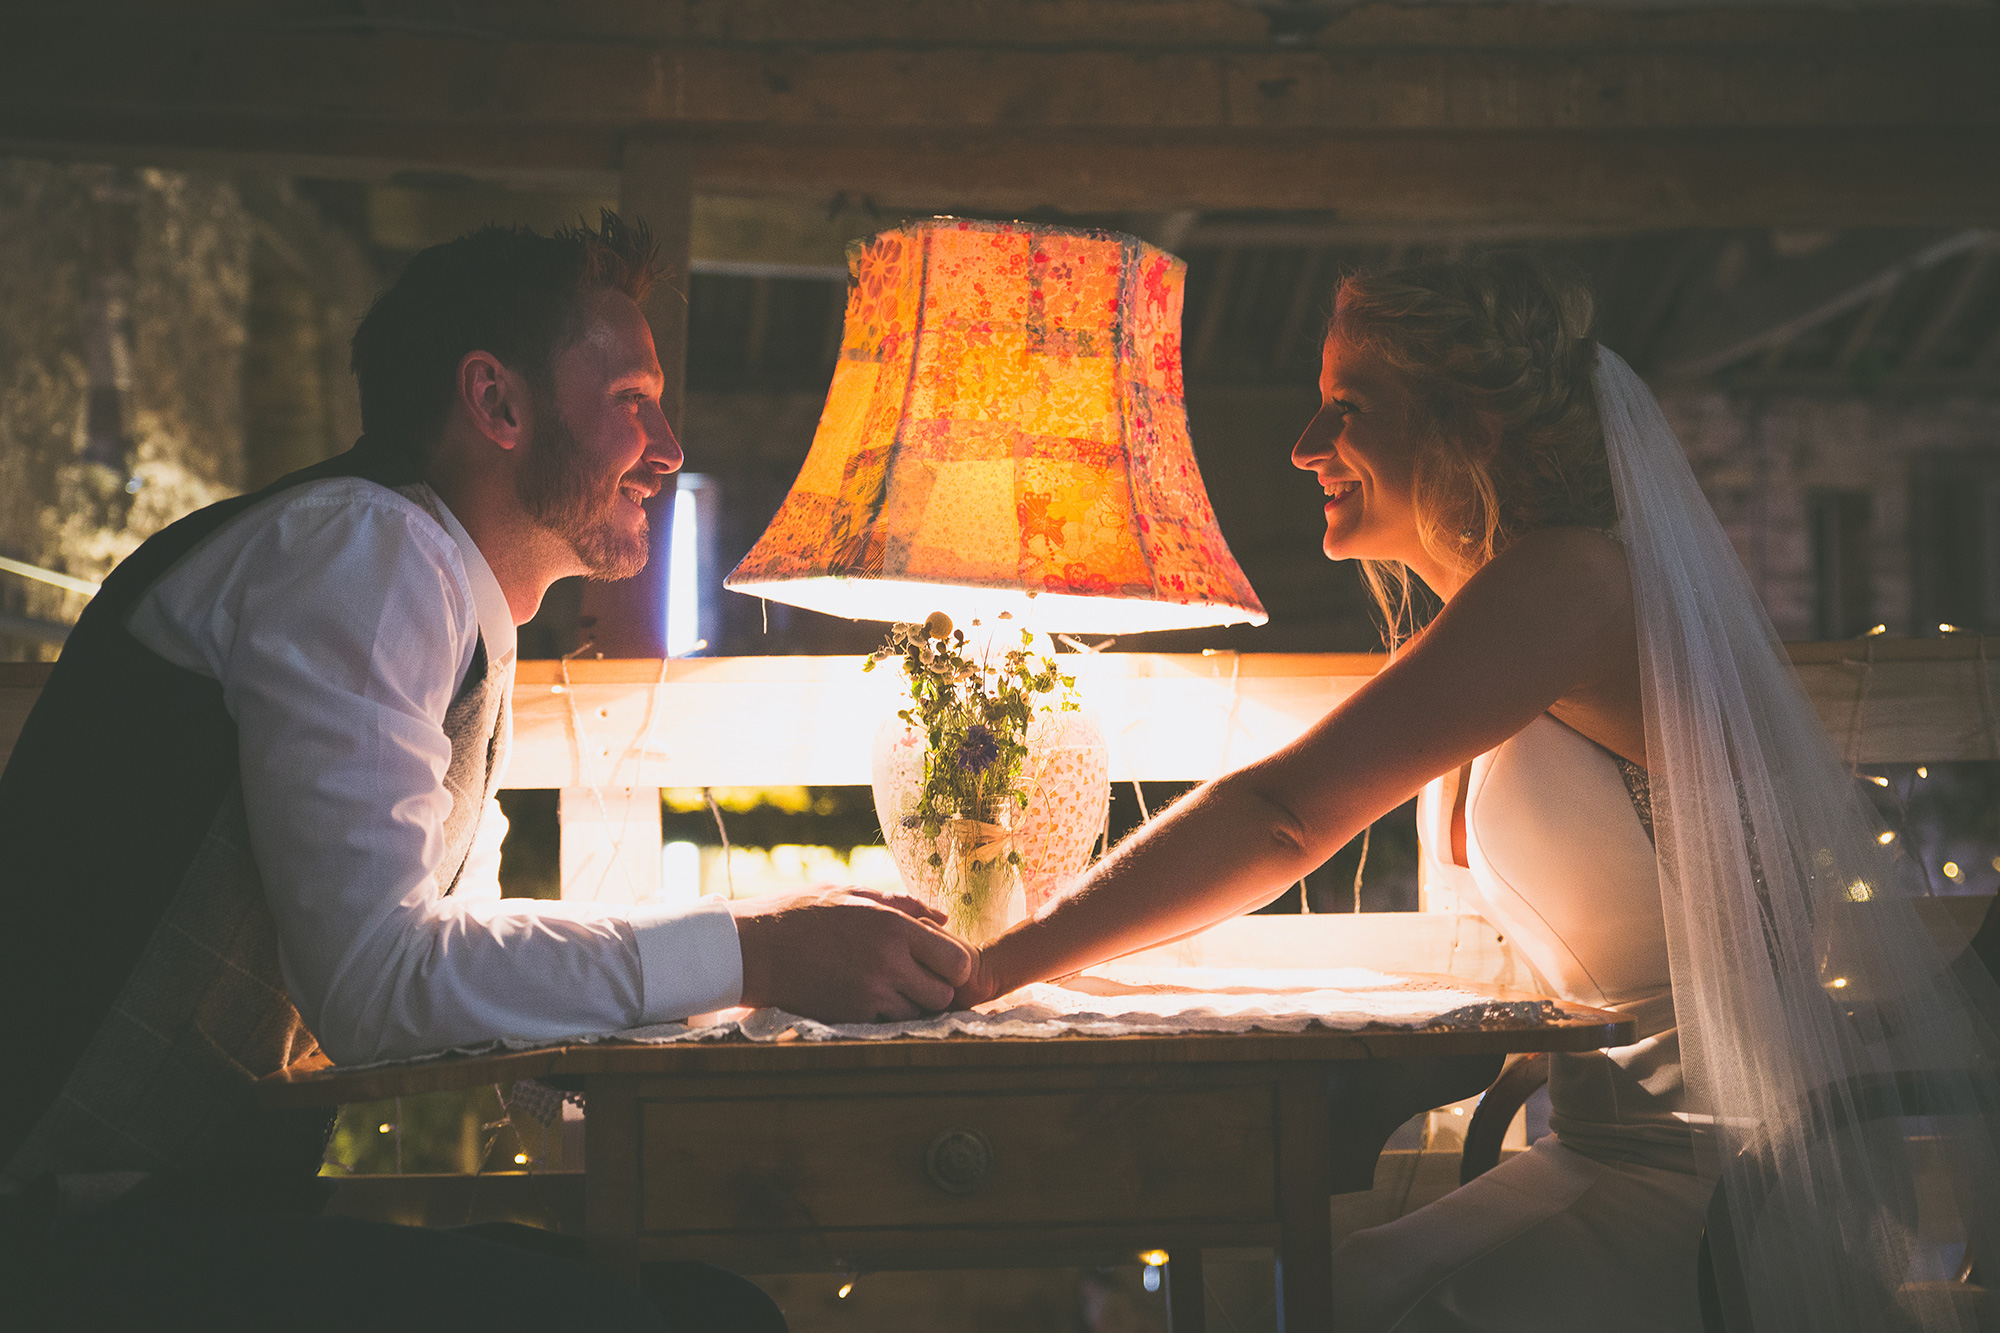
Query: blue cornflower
[[978, 750]]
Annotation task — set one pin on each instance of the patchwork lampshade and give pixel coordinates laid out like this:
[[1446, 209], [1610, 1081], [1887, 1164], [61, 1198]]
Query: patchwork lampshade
[[1005, 431]]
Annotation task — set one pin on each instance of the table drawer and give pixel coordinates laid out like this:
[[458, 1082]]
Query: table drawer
[[738, 1164]]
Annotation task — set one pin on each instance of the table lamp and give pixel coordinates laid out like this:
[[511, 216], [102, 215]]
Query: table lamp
[[1005, 440]]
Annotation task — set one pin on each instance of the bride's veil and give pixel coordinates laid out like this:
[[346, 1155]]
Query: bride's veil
[[1834, 1056]]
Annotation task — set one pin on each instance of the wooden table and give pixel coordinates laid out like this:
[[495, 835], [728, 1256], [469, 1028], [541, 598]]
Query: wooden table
[[970, 1152]]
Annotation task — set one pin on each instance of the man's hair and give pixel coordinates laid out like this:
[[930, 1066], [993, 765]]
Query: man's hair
[[504, 290]]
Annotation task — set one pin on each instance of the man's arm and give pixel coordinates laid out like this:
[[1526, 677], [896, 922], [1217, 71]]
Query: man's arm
[[339, 629]]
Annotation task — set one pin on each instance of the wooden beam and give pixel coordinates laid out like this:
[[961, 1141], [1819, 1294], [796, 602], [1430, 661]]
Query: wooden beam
[[1526, 182], [1033, 24], [1933, 73], [1609, 181], [1489, 116]]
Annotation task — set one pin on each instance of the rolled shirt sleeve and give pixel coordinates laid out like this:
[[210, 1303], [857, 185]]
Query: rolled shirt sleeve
[[339, 621]]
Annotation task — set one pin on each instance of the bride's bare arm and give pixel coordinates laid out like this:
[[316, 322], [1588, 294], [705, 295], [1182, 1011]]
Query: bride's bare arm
[[1549, 615]]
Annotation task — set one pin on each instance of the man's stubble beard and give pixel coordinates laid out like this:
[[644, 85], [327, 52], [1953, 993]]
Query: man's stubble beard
[[560, 493]]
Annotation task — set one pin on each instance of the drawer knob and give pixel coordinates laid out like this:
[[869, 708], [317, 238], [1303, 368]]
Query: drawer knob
[[958, 1160]]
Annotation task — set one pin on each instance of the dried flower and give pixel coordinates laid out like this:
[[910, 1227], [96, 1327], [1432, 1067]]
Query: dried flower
[[975, 716], [978, 750]]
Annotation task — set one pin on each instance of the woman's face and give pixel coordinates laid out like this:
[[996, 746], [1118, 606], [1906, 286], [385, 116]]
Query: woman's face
[[1360, 449]]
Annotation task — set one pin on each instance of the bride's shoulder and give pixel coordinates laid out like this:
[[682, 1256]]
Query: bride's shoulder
[[1564, 554], [1581, 570]]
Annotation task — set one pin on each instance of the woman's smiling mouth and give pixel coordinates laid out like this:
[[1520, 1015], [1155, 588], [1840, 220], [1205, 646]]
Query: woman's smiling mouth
[[1336, 491]]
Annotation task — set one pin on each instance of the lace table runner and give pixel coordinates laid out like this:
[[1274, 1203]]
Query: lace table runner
[[1114, 1001]]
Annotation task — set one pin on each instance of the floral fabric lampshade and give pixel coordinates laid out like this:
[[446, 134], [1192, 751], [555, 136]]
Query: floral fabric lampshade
[[1005, 431]]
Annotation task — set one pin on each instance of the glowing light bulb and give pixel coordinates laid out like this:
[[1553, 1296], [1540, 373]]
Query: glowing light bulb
[[384, 1128], [1153, 1258], [1886, 837], [1951, 870], [1878, 780], [1458, 1110], [1922, 771], [1838, 982], [845, 1288], [520, 1159], [1859, 892], [1871, 633], [555, 689], [1944, 628]]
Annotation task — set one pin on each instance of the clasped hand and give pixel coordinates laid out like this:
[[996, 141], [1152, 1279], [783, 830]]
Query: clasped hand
[[843, 955]]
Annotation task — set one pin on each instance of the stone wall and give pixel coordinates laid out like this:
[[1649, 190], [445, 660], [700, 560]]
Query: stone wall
[[132, 296], [1758, 457]]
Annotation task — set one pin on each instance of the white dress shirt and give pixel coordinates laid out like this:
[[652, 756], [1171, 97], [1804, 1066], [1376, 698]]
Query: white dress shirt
[[340, 617]]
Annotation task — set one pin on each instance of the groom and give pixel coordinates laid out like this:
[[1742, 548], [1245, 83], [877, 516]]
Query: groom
[[251, 818]]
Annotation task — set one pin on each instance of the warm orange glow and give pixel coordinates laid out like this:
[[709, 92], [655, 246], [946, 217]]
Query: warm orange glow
[[1005, 423]]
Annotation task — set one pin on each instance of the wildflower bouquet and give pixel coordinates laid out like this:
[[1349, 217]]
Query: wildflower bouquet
[[956, 814]]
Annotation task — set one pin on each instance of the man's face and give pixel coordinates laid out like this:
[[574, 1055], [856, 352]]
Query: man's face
[[600, 446]]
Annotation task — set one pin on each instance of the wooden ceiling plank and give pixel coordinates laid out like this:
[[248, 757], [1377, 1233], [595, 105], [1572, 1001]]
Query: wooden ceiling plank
[[1801, 294], [1864, 327], [1947, 311], [1987, 360], [1215, 304], [1304, 292]]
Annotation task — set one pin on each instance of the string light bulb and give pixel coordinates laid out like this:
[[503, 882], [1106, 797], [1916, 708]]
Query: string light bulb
[[1945, 628], [1872, 632], [1859, 891], [846, 1288], [1153, 1258], [520, 1159], [1886, 836], [1951, 870], [1878, 779], [1922, 771], [1838, 983], [385, 1128]]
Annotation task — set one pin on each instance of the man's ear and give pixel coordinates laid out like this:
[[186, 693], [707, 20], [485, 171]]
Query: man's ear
[[493, 397]]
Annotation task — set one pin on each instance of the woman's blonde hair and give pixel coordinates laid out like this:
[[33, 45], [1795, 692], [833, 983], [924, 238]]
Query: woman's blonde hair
[[1497, 355]]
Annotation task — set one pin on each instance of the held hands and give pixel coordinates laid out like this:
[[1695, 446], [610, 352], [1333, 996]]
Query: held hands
[[981, 983], [848, 955]]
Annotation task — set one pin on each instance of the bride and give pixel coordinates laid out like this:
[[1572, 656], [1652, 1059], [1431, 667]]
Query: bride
[[1613, 748]]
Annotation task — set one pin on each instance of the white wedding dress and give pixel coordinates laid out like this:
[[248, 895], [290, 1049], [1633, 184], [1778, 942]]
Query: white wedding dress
[[1598, 1225]]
